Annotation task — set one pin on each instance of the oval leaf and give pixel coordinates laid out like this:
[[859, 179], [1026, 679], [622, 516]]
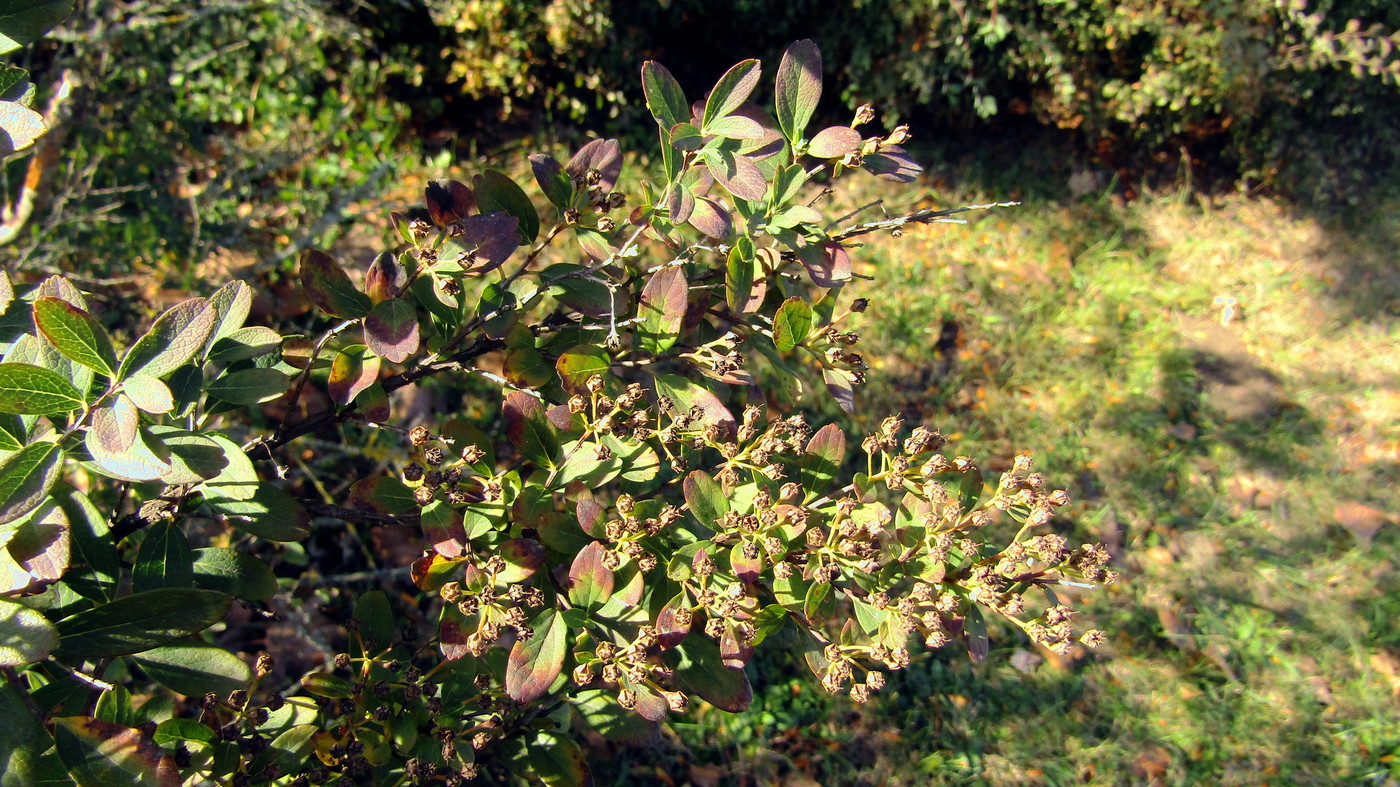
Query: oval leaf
[[497, 192], [799, 88], [76, 334], [26, 477], [663, 93], [535, 663], [662, 309], [391, 330], [792, 324], [732, 89], [99, 752], [26, 636], [235, 573], [175, 337], [590, 581], [33, 390], [195, 668], [834, 142], [139, 622], [252, 386], [329, 288]]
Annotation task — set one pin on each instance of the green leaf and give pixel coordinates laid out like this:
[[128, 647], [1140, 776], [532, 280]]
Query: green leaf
[[102, 754], [76, 334], [700, 671], [381, 494], [269, 513], [799, 88], [975, 633], [496, 191], [732, 90], [26, 477], [580, 363], [324, 684], [549, 174], [22, 22], [578, 288], [139, 622], [825, 453], [664, 97], [193, 458], [23, 740], [195, 668], [288, 750], [236, 573], [94, 565], [245, 343], [237, 481], [705, 498], [736, 127], [13, 434], [741, 269], [662, 309], [164, 560], [26, 636], [33, 390], [376, 618], [590, 581], [230, 305], [250, 386], [686, 136], [557, 760], [534, 664], [391, 330], [792, 324], [175, 731], [970, 489], [329, 288], [174, 339]]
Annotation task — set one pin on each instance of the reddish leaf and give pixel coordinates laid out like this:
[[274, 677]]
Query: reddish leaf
[[486, 242], [386, 277], [662, 309], [352, 371], [528, 429], [590, 517], [39, 548], [381, 494], [442, 527], [834, 142], [99, 752], [827, 264], [670, 632], [523, 557], [733, 651], [686, 395], [680, 201], [452, 637], [892, 163], [650, 705], [391, 330], [590, 581], [711, 218], [448, 201], [745, 568], [737, 173], [603, 155], [841, 385], [536, 662]]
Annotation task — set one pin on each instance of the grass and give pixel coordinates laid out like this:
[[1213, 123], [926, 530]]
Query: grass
[[1242, 466]]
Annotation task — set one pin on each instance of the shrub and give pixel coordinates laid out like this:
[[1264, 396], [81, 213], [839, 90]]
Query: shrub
[[639, 513]]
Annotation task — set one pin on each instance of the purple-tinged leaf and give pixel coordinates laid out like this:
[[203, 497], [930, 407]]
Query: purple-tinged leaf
[[448, 201], [590, 516], [536, 662], [799, 88], [841, 385], [329, 288], [711, 218], [828, 444], [391, 330], [496, 192], [386, 278], [680, 202], [669, 629], [664, 98], [528, 429], [452, 636], [631, 585], [577, 365], [737, 174], [443, 529], [549, 174], [523, 557], [352, 371], [732, 89], [827, 263], [40, 548], [590, 580], [650, 705], [834, 142], [734, 652], [662, 309], [75, 334], [700, 670], [603, 155], [486, 242], [792, 324], [115, 442], [892, 163]]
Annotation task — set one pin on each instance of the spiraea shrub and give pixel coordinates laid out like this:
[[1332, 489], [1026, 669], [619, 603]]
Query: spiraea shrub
[[641, 507]]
